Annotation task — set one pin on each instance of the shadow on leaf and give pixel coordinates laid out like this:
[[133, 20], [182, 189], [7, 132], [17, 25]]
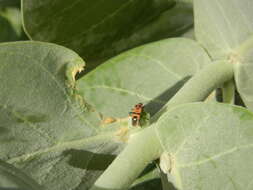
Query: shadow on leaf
[[149, 168], [3, 130], [88, 160], [150, 184], [158, 102]]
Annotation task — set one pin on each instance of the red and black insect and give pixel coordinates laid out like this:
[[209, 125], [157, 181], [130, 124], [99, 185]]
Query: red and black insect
[[136, 114]]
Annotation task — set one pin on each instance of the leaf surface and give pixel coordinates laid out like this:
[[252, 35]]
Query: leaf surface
[[209, 146], [243, 67], [6, 33], [46, 128], [150, 74], [225, 28], [10, 24], [101, 29], [12, 178], [9, 3], [222, 26]]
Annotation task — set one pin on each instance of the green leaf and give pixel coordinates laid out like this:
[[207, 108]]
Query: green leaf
[[101, 29], [243, 66], [150, 74], [225, 28], [13, 3], [12, 178], [11, 25], [208, 146], [46, 128], [222, 26], [7, 33]]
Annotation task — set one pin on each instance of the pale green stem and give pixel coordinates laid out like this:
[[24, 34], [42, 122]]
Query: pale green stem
[[145, 146], [200, 85], [228, 92]]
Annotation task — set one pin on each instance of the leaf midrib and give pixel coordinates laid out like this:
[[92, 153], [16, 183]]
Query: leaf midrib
[[215, 157], [63, 146], [117, 89], [97, 24]]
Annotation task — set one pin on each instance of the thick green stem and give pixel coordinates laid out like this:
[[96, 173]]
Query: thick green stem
[[145, 146], [228, 92], [200, 85]]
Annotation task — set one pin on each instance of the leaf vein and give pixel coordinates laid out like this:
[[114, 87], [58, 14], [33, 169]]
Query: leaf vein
[[217, 156], [62, 146], [125, 91], [158, 62]]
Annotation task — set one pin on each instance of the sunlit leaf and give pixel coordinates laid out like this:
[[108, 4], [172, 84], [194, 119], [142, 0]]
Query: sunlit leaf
[[150, 74], [209, 146], [222, 26]]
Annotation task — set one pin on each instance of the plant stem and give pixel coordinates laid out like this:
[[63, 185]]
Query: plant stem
[[145, 147], [228, 92], [200, 85]]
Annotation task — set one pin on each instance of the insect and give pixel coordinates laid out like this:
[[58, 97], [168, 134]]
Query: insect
[[136, 114]]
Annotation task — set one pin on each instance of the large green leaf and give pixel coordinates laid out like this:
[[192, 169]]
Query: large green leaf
[[223, 25], [151, 74], [98, 29], [207, 146], [12, 178], [225, 28], [46, 128]]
